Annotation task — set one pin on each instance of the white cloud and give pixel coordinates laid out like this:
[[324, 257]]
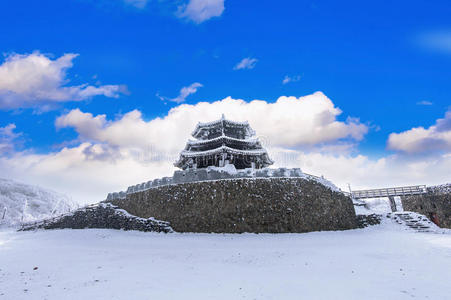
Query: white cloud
[[75, 172], [36, 80], [439, 41], [137, 3], [184, 93], [79, 173], [8, 138], [290, 122], [416, 140], [246, 63], [129, 149], [113, 154], [199, 11], [288, 79], [363, 172], [424, 102]]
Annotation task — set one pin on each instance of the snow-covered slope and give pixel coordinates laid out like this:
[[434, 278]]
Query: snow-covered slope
[[21, 202], [378, 205]]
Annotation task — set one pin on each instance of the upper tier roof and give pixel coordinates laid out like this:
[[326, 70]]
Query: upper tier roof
[[222, 149], [201, 128], [251, 141]]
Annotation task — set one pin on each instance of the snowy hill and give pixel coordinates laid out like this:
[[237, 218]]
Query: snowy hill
[[20, 203]]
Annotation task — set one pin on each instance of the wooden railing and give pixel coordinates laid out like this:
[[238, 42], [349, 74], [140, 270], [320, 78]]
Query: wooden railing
[[389, 192]]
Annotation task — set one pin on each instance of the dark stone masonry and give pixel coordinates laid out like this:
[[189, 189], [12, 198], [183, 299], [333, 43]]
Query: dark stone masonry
[[435, 204], [273, 205], [368, 220], [103, 215]]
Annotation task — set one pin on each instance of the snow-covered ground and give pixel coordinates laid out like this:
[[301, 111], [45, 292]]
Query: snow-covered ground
[[388, 261], [376, 205], [380, 262]]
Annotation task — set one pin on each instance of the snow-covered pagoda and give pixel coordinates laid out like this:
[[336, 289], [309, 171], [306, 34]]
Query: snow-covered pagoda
[[223, 142]]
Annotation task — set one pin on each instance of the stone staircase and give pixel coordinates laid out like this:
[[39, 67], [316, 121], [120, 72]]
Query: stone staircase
[[414, 221]]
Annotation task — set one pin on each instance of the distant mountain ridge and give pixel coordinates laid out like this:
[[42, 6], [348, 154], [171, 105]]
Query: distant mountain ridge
[[21, 203]]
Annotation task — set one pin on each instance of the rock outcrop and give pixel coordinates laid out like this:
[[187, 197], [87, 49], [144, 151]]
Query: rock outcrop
[[368, 220], [101, 215]]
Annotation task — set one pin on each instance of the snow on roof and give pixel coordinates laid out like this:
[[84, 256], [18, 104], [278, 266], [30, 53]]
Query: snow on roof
[[201, 142], [221, 149], [222, 119], [207, 125]]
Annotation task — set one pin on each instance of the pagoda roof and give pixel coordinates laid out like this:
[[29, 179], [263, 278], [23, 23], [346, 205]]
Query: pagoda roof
[[222, 137], [223, 140], [224, 122], [220, 149]]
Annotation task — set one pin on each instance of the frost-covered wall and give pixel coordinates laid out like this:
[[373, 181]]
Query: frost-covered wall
[[216, 173], [255, 204], [435, 204]]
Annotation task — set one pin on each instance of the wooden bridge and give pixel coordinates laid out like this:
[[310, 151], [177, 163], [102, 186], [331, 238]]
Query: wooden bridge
[[389, 192]]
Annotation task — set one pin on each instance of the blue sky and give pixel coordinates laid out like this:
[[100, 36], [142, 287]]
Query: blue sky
[[387, 63]]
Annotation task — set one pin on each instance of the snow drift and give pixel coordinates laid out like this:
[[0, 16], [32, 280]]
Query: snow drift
[[21, 203]]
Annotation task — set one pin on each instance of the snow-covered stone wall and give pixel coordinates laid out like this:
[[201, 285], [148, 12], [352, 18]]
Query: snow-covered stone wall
[[255, 204], [435, 204], [216, 173]]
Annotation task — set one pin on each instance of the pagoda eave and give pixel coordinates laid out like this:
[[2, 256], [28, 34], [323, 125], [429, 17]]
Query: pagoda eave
[[259, 155], [221, 150], [224, 140]]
